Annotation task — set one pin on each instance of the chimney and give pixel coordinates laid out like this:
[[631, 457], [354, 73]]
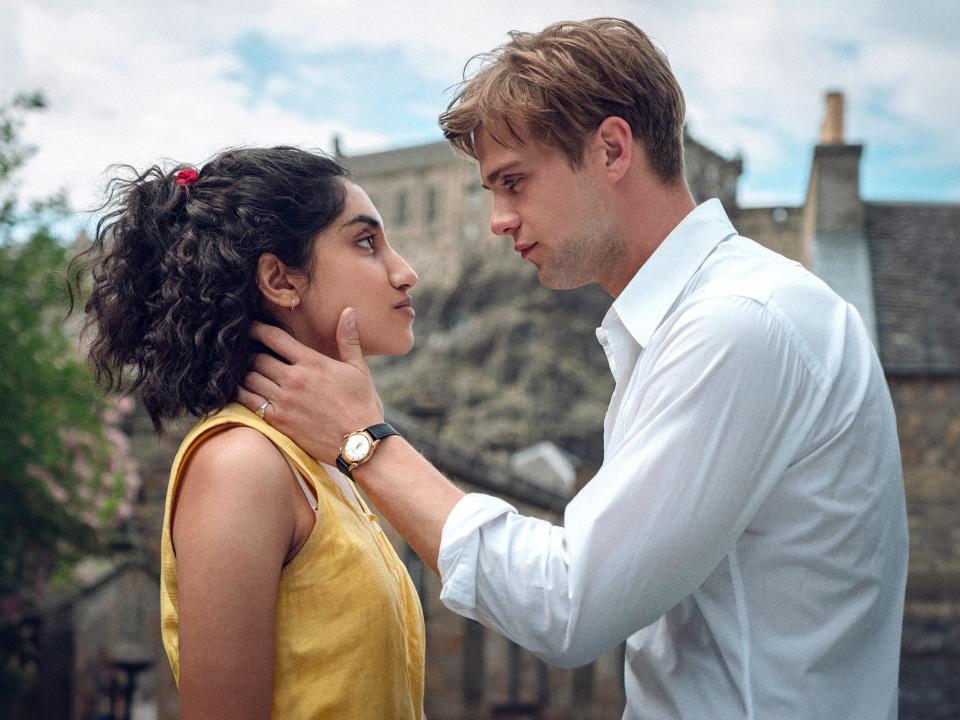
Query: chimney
[[834, 188], [831, 132], [834, 227]]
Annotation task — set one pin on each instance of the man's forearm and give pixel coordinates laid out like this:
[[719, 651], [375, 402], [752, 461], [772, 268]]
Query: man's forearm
[[410, 493]]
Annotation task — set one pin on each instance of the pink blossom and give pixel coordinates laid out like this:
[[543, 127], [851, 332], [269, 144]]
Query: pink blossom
[[39, 472], [117, 437], [57, 491], [124, 510], [82, 468], [133, 478]]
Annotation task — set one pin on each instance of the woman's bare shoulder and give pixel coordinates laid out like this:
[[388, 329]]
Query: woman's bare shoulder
[[238, 480], [239, 455]]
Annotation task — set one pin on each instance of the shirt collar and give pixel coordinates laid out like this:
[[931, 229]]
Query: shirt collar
[[658, 283]]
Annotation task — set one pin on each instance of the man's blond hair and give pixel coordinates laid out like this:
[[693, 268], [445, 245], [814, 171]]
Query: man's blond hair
[[558, 85]]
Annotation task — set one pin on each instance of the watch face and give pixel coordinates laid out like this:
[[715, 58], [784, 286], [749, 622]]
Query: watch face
[[356, 448]]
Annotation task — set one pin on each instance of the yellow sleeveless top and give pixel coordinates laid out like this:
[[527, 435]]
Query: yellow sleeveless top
[[348, 627]]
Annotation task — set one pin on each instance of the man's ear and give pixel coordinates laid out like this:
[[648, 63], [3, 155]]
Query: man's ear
[[615, 139], [281, 286]]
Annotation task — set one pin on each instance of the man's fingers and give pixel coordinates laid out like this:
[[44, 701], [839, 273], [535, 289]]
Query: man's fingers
[[281, 342], [257, 384], [251, 401], [348, 339], [270, 367]]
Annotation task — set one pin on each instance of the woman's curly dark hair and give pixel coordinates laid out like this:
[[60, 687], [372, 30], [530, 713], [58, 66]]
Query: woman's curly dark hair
[[173, 270]]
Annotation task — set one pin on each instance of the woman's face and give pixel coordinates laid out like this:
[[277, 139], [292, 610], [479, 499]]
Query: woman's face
[[353, 266]]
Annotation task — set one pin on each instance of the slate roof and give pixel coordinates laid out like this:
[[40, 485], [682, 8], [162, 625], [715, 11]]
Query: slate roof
[[915, 257]]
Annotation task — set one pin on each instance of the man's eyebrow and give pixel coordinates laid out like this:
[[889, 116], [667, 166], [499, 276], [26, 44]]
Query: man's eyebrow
[[492, 177], [362, 220]]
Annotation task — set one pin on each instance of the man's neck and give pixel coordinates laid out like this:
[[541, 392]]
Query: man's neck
[[648, 214]]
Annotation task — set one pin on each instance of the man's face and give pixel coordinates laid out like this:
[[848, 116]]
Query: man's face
[[559, 217]]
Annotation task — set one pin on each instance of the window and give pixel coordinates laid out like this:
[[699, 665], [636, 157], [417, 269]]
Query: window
[[400, 214], [430, 205], [474, 195]]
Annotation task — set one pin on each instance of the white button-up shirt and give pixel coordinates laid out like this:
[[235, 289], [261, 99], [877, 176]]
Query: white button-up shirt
[[746, 533]]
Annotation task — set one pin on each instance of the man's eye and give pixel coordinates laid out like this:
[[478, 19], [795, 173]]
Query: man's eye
[[511, 183]]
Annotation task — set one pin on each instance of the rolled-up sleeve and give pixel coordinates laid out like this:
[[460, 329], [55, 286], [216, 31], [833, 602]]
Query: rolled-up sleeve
[[710, 422], [460, 549]]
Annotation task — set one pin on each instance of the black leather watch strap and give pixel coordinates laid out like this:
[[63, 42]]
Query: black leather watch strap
[[377, 432], [381, 430]]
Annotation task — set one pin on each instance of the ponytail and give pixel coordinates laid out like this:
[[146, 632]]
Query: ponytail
[[173, 270]]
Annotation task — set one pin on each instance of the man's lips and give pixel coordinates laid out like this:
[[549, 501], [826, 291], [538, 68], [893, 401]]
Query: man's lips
[[524, 248]]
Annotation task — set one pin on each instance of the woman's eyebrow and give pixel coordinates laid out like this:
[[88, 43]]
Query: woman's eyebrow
[[362, 219]]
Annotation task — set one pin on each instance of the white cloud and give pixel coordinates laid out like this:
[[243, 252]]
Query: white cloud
[[134, 81], [140, 96]]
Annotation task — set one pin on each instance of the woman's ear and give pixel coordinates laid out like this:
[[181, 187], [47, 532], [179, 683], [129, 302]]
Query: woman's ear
[[281, 286]]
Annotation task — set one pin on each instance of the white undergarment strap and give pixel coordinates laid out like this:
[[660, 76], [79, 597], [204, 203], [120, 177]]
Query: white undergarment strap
[[303, 485]]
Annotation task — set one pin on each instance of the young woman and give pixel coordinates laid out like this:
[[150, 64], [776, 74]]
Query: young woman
[[281, 596]]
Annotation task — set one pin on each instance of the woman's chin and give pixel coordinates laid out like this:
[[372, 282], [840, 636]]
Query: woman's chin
[[390, 348]]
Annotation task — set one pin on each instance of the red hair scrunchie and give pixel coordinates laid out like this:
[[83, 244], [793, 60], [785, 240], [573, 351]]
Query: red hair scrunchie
[[186, 177]]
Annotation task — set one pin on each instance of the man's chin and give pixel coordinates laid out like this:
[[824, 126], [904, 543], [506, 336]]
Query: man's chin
[[558, 280]]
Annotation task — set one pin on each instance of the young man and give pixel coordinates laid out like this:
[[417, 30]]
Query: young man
[[746, 534]]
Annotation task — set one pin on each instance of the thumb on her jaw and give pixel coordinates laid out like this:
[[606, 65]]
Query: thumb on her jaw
[[348, 338]]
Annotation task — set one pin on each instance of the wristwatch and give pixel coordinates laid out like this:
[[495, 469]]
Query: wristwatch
[[359, 445]]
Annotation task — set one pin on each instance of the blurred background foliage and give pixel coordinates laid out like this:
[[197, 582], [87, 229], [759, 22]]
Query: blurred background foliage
[[68, 482]]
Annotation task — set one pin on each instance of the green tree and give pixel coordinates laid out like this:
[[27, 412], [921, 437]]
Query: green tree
[[66, 480]]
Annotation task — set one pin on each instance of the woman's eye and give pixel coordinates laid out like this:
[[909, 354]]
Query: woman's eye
[[366, 242]]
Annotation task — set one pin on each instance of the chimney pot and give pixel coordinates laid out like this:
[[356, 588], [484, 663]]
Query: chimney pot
[[831, 132]]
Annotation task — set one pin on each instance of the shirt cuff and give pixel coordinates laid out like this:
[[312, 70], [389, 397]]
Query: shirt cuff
[[460, 549]]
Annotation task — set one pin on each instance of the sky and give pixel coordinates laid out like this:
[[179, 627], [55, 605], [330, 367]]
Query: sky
[[137, 82]]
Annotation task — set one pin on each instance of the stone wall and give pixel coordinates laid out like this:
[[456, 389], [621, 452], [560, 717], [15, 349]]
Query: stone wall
[[777, 228], [711, 175], [928, 420], [116, 625]]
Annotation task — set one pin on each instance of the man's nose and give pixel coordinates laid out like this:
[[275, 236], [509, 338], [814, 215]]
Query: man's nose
[[504, 221]]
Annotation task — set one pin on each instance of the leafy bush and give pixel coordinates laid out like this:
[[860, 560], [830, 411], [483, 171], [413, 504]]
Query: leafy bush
[[67, 482]]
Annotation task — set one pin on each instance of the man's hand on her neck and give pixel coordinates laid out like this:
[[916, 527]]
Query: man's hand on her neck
[[314, 399], [317, 400]]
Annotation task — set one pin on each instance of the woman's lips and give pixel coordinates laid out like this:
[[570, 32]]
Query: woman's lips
[[406, 306]]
